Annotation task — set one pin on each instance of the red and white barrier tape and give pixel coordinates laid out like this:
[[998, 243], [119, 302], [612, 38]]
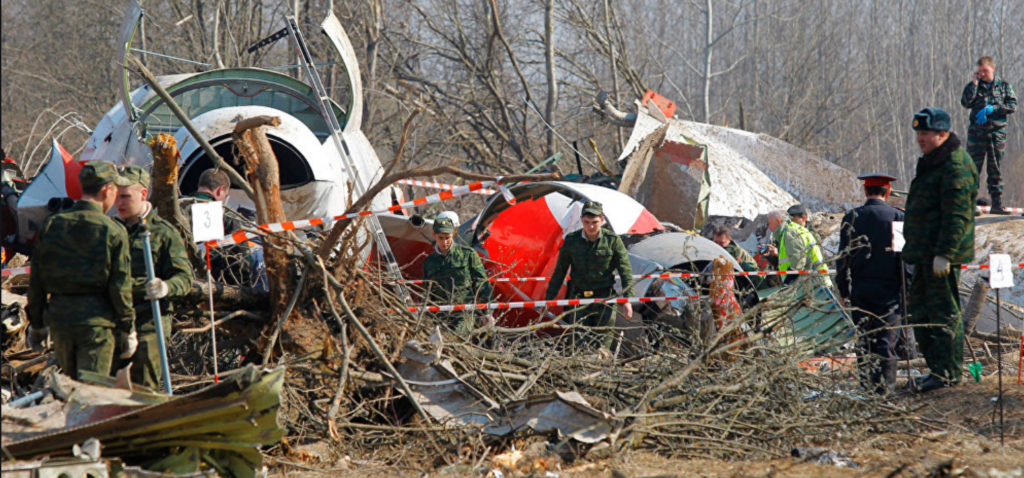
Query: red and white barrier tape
[[242, 236], [684, 275], [664, 275], [1014, 210], [16, 271], [975, 267], [537, 304], [433, 185]]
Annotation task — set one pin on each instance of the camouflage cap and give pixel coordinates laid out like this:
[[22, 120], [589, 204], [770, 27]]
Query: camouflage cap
[[797, 210], [592, 208], [98, 173], [444, 225], [135, 174], [932, 119]]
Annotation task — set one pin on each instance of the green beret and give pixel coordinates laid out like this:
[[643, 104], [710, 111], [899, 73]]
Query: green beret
[[592, 208], [444, 225], [932, 119], [95, 174], [135, 174]]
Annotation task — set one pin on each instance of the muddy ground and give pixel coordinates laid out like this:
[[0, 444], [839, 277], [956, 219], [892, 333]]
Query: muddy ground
[[956, 434]]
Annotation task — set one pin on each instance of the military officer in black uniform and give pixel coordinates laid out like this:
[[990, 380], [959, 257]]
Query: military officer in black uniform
[[869, 277]]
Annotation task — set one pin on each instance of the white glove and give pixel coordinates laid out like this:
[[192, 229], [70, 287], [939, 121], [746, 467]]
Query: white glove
[[156, 289], [128, 343], [940, 266], [36, 338]]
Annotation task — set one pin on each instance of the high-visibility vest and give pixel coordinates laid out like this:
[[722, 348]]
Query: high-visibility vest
[[813, 251]]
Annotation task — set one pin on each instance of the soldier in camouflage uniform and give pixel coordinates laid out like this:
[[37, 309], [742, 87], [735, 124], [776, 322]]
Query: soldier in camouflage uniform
[[80, 287], [594, 254], [939, 231], [990, 100], [457, 275], [170, 263], [723, 237]]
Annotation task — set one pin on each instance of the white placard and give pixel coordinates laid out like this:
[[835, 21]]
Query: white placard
[[897, 236], [1000, 271], [207, 221]]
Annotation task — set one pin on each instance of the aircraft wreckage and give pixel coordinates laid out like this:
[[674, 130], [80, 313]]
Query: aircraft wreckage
[[325, 159]]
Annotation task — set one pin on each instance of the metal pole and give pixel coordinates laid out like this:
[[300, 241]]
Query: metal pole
[[999, 366], [155, 304], [213, 324]]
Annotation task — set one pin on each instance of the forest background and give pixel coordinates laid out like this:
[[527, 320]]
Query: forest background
[[841, 79]]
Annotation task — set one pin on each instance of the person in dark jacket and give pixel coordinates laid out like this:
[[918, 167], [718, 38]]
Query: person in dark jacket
[[939, 231], [869, 277]]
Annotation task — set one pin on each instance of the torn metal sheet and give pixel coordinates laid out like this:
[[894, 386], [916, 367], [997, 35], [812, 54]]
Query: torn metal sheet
[[566, 413], [442, 394], [221, 426], [453, 402], [818, 321]]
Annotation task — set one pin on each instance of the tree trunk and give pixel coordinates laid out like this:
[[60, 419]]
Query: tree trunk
[[614, 67], [708, 39], [164, 191], [298, 334], [549, 58]]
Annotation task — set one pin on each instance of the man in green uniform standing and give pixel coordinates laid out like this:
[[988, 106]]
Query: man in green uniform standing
[[990, 100], [170, 263], [593, 254], [939, 231], [80, 289], [457, 275]]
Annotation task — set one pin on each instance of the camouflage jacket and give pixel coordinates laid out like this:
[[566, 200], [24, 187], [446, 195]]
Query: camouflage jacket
[[747, 262], [998, 93], [170, 263], [459, 276], [81, 271], [593, 264], [940, 206], [742, 256]]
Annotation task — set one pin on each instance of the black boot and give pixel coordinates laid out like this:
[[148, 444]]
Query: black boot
[[930, 382], [886, 381], [997, 204]]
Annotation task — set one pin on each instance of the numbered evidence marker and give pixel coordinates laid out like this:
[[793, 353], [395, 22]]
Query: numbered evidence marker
[[207, 221], [1000, 271], [897, 236]]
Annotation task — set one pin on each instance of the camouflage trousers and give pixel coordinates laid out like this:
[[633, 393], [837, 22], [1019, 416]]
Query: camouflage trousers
[[462, 322], [146, 361], [594, 315], [934, 304], [990, 145], [83, 347]]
